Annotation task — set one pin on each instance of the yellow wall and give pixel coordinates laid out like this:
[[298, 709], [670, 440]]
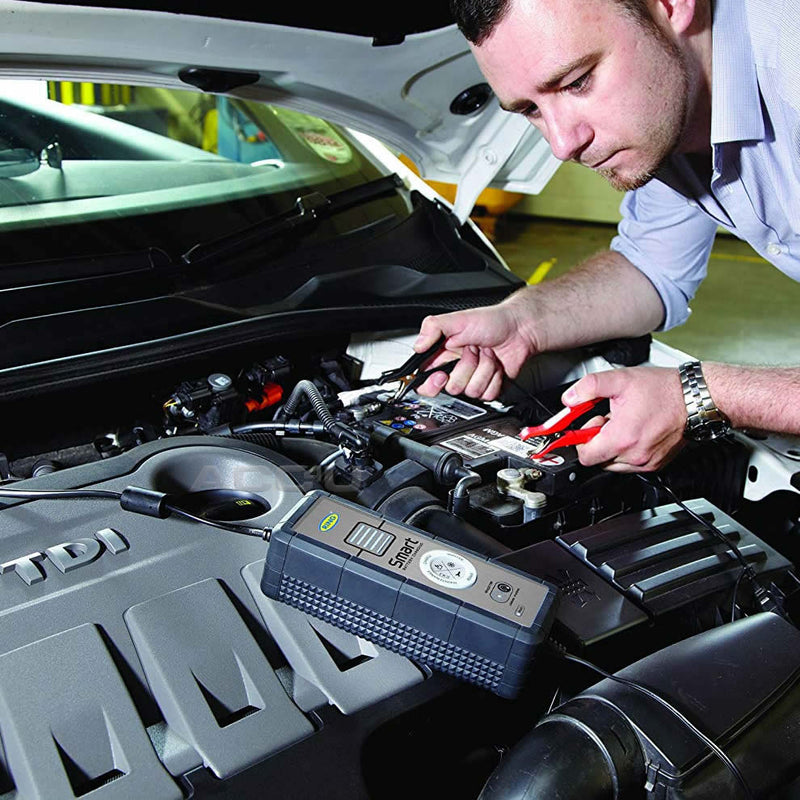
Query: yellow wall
[[575, 193]]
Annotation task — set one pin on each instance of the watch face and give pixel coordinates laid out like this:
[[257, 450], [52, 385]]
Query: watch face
[[708, 430]]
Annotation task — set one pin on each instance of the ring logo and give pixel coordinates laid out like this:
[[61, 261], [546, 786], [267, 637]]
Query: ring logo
[[328, 522], [66, 556]]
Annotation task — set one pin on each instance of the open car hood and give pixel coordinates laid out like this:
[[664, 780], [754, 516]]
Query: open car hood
[[417, 88]]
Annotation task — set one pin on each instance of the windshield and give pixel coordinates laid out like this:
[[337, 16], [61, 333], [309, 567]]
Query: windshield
[[120, 169], [138, 223]]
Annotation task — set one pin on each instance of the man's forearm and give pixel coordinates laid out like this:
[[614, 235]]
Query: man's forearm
[[767, 398], [605, 297]]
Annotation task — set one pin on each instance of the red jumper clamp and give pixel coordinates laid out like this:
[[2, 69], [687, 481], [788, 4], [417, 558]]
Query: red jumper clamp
[[556, 433]]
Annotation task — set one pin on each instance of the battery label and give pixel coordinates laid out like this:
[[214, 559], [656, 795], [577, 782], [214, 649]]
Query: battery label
[[469, 446], [416, 413], [458, 407], [515, 446], [485, 441]]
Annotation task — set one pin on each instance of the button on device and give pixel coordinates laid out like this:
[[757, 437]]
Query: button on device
[[774, 249], [371, 539], [448, 569], [501, 592]]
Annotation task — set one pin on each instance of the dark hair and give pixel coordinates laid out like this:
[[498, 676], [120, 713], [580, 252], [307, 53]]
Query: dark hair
[[476, 19]]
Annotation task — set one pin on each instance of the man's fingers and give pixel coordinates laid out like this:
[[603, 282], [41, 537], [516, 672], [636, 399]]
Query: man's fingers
[[608, 446], [618, 466], [594, 422], [495, 385], [484, 372], [433, 385], [462, 372], [429, 332], [594, 385], [451, 325], [442, 357]]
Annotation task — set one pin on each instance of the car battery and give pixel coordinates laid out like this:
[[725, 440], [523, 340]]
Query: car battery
[[497, 443], [486, 439]]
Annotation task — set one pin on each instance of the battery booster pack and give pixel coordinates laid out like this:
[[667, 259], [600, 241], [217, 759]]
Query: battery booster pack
[[428, 599]]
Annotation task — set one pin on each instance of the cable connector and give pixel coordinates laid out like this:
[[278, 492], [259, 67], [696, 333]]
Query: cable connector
[[145, 501], [766, 600]]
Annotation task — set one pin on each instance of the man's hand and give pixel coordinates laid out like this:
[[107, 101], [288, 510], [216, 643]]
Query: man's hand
[[490, 342], [606, 297], [644, 427]]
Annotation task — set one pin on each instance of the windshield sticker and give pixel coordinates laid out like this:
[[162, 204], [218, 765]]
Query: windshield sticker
[[319, 135]]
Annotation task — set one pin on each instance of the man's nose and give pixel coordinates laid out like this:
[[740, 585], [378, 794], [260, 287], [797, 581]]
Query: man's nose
[[568, 137]]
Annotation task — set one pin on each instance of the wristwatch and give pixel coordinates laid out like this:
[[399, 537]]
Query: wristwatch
[[704, 421]]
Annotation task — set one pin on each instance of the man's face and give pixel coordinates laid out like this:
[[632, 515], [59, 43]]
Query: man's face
[[605, 90]]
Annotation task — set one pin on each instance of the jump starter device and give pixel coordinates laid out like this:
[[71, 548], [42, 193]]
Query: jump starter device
[[425, 598]]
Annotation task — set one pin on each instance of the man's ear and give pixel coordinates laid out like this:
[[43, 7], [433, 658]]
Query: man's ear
[[675, 15]]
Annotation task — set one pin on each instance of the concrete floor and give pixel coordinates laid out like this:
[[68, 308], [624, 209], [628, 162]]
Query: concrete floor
[[745, 312]]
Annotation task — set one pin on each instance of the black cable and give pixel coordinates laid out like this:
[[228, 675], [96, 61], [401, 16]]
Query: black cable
[[710, 743], [763, 596], [58, 494], [262, 533], [101, 494], [344, 434], [735, 592], [548, 411], [658, 482]]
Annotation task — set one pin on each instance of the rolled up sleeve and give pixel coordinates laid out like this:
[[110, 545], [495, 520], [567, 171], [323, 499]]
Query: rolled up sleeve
[[668, 239]]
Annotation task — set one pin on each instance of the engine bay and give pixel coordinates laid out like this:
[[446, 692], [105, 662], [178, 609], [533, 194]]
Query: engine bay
[[143, 652]]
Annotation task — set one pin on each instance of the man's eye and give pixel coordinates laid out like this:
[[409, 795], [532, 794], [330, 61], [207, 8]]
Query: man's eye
[[531, 111], [579, 84]]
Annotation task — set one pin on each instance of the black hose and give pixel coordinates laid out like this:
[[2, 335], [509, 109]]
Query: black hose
[[264, 439], [307, 388], [417, 507], [343, 433], [556, 760]]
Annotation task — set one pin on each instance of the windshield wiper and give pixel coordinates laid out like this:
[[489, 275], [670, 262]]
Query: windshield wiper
[[308, 210]]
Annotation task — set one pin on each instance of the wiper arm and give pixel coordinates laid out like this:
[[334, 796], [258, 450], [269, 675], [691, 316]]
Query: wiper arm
[[308, 210]]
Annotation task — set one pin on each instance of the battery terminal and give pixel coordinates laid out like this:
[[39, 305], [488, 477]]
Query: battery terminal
[[513, 483]]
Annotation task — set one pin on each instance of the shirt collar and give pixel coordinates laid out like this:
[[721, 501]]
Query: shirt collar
[[735, 99]]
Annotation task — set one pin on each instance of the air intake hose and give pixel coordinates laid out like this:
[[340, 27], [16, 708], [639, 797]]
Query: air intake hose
[[589, 752]]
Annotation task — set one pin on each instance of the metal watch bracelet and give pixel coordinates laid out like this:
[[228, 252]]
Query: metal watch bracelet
[[704, 420]]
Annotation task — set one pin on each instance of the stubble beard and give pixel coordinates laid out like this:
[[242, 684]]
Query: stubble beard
[[664, 138]]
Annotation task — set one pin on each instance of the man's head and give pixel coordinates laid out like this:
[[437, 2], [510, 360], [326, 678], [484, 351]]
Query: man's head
[[608, 82], [476, 19]]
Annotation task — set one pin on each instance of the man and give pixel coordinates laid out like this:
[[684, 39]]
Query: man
[[691, 108]]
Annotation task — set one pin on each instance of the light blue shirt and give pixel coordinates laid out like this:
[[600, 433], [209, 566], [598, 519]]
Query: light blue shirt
[[668, 225]]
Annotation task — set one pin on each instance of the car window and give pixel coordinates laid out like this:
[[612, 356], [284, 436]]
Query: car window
[[120, 168]]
